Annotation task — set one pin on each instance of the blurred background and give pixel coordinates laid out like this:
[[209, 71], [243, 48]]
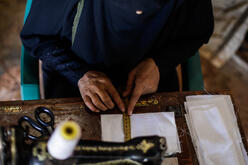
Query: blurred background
[[224, 60]]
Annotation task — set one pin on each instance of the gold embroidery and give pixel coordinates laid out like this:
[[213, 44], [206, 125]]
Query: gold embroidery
[[82, 107], [145, 146], [10, 109], [39, 151], [87, 148], [148, 102], [155, 102]]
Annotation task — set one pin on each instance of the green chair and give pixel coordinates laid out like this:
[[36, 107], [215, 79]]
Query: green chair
[[29, 71], [191, 72]]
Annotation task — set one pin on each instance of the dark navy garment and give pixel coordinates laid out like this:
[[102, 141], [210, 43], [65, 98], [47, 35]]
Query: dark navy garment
[[112, 34], [113, 39]]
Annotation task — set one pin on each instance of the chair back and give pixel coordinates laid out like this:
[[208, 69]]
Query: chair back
[[192, 74], [30, 89]]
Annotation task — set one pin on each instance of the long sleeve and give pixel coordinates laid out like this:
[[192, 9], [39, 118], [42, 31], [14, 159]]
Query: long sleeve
[[60, 58], [191, 26], [41, 36]]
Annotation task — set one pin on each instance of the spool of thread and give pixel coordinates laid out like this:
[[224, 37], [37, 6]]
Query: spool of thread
[[64, 139]]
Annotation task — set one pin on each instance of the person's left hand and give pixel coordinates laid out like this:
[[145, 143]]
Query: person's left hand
[[143, 79]]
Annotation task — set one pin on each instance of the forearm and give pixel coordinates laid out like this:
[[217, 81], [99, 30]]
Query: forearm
[[65, 63], [58, 57]]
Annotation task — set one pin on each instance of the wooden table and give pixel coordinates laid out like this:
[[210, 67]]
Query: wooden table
[[74, 109]]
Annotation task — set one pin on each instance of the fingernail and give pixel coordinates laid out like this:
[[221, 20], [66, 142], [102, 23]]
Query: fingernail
[[129, 112], [123, 109]]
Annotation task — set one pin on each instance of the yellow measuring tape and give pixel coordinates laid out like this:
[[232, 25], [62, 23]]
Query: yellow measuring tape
[[126, 123], [126, 127]]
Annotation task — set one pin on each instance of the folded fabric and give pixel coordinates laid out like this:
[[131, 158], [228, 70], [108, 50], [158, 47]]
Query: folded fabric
[[161, 124], [214, 131]]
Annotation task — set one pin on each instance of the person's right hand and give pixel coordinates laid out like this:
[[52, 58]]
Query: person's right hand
[[98, 92]]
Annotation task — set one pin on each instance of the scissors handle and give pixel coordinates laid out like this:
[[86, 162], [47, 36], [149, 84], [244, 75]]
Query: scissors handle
[[43, 123], [32, 123]]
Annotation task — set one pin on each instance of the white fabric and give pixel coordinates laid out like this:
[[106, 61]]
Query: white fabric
[[214, 130], [161, 124], [112, 128]]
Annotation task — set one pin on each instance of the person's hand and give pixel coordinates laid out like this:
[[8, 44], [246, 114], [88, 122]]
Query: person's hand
[[143, 79], [98, 92]]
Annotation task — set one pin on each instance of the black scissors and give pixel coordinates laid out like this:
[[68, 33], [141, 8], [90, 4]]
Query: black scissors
[[45, 128]]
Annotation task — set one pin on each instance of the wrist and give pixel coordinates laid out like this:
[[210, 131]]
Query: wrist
[[83, 77], [89, 75]]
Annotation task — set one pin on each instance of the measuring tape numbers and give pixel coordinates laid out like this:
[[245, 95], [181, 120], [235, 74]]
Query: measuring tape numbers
[[126, 127]]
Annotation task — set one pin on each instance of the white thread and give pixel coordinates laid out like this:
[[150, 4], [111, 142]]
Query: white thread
[[62, 143]]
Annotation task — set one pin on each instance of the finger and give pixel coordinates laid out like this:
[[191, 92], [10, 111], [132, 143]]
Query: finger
[[97, 102], [116, 97], [106, 99], [130, 81], [137, 92], [89, 104]]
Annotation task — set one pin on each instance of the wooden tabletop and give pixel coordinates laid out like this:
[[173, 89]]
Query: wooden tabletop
[[74, 109]]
